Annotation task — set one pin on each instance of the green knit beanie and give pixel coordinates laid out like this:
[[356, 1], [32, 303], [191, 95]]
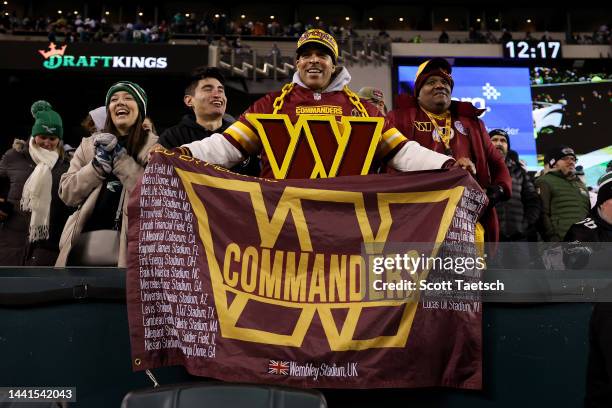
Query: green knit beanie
[[133, 89], [46, 120]]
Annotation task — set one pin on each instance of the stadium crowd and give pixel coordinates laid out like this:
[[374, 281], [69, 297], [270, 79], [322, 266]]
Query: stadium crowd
[[553, 75], [71, 27]]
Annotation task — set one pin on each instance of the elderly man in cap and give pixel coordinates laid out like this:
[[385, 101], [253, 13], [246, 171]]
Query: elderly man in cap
[[319, 90], [375, 96], [453, 128], [565, 199]]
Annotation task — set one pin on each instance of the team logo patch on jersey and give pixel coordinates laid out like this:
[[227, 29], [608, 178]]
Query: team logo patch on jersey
[[319, 110], [459, 127], [423, 126]]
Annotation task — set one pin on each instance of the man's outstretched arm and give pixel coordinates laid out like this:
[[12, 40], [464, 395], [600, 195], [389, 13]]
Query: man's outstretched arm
[[215, 149], [412, 156]]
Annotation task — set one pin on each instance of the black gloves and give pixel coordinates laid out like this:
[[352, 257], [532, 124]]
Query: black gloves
[[495, 195]]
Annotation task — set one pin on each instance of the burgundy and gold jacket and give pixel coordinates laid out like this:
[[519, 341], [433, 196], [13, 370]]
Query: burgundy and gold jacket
[[470, 140]]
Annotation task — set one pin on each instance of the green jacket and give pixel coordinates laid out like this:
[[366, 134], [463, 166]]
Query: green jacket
[[564, 202]]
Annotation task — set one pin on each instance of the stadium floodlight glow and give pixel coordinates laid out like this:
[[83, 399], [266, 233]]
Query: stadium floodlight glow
[[529, 20], [401, 19], [6, 14], [187, 15], [371, 18], [478, 20], [497, 20], [347, 18], [59, 11], [216, 16], [271, 17], [242, 16], [317, 18], [140, 13], [446, 20], [75, 12], [107, 13], [5, 3]]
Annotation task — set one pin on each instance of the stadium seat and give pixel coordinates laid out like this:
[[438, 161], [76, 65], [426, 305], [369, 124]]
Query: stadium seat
[[213, 394]]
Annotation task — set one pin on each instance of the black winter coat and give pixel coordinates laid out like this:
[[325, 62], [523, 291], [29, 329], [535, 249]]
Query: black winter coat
[[15, 167], [522, 211], [188, 130]]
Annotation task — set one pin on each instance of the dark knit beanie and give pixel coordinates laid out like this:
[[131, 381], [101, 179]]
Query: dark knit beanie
[[605, 188], [556, 154], [46, 120], [501, 132]]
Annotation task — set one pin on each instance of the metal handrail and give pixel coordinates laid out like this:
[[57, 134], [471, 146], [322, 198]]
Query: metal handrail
[[250, 65]]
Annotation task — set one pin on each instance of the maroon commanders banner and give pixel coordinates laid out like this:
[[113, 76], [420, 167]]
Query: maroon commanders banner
[[271, 281]]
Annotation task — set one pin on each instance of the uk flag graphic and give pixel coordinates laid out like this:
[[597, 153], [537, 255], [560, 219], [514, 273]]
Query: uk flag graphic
[[278, 367]]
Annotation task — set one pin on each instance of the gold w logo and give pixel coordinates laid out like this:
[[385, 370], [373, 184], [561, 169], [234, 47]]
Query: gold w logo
[[231, 301], [318, 146], [423, 126]]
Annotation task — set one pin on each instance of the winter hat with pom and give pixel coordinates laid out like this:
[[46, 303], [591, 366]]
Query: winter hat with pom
[[47, 122]]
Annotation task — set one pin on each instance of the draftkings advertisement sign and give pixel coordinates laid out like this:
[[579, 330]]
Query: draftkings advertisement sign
[[287, 281], [101, 57]]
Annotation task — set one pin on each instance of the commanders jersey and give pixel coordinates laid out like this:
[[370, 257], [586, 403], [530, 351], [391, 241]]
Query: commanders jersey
[[246, 133]]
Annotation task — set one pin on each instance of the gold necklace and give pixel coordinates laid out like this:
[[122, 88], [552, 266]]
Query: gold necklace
[[435, 115], [444, 132], [287, 88]]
